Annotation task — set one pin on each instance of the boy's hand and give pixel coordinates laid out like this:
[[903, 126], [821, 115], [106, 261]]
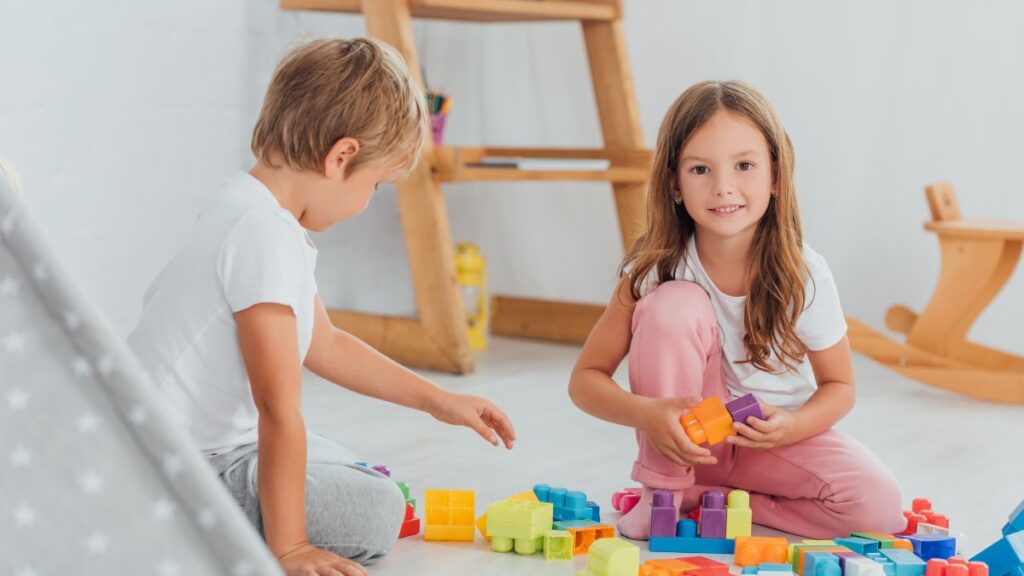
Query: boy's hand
[[660, 424], [476, 413], [308, 560], [777, 429]]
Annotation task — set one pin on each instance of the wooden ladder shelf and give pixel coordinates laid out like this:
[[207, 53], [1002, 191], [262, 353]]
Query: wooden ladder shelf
[[978, 257], [437, 338]]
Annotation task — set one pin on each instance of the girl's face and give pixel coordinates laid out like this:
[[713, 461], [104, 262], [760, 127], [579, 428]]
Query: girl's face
[[725, 177]]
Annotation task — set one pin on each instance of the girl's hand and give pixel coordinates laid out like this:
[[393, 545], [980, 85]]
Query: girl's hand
[[308, 560], [777, 429], [660, 424], [476, 413]]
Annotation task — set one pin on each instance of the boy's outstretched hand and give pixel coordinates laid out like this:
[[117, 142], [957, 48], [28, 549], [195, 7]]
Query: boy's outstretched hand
[[308, 560], [477, 413]]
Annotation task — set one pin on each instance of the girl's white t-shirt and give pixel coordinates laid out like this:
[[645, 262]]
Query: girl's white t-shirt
[[820, 326], [245, 249]]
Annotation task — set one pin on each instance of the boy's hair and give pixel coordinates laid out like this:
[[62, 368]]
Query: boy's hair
[[332, 88], [778, 271]]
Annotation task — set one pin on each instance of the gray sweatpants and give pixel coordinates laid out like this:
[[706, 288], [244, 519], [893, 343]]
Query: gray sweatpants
[[351, 510]]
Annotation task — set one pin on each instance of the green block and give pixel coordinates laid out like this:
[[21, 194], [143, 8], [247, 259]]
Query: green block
[[518, 523], [404, 488], [558, 545], [612, 557]]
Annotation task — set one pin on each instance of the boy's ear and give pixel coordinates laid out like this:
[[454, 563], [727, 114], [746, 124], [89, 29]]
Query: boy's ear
[[340, 157]]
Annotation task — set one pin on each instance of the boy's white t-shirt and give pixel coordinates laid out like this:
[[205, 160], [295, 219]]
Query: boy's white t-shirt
[[245, 249], [820, 326]]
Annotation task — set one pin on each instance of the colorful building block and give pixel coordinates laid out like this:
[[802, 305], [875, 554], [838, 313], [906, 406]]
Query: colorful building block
[[711, 514], [383, 470], [584, 533], [907, 564], [410, 524], [798, 552], [738, 516], [707, 566], [568, 505], [519, 525], [821, 564], [961, 539], [744, 407], [859, 545], [595, 511], [862, 567], [666, 567], [624, 500], [448, 515], [887, 565], [612, 557], [663, 514], [708, 422], [752, 551], [1016, 521], [955, 567], [1004, 556], [481, 522], [686, 541], [929, 546], [557, 545], [885, 540]]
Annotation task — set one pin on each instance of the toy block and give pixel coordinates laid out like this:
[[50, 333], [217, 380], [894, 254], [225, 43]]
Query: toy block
[[961, 539], [663, 514], [711, 514], [885, 540], [410, 524], [955, 567], [792, 555], [749, 570], [448, 515], [799, 555], [685, 541], [744, 407], [481, 522], [557, 545], [887, 565], [612, 557], [862, 567], [859, 545], [707, 566], [928, 546], [708, 422], [907, 564], [821, 564], [1004, 556], [624, 500], [595, 511], [568, 505], [383, 470], [666, 567], [584, 533], [738, 516], [518, 524], [752, 551], [1016, 523], [404, 488]]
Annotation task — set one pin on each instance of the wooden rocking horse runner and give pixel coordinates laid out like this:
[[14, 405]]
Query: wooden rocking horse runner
[[978, 257]]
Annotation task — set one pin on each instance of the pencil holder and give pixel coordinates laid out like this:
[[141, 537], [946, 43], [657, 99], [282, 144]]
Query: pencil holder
[[437, 126]]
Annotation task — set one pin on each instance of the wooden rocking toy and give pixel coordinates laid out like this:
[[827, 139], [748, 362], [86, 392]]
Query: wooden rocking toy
[[978, 256]]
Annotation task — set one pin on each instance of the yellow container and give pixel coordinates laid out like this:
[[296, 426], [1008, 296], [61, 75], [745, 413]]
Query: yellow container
[[471, 273]]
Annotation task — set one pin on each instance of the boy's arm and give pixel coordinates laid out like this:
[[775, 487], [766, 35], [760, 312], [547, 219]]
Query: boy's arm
[[269, 342], [341, 358]]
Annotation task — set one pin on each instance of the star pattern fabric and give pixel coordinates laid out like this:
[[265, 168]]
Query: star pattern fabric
[[94, 479]]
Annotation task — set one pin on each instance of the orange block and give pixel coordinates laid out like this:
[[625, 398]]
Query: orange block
[[666, 567], [584, 536], [751, 551], [708, 422]]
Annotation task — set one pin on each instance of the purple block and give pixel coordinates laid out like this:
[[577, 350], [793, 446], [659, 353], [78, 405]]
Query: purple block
[[744, 407], [383, 470], [663, 514], [712, 515]]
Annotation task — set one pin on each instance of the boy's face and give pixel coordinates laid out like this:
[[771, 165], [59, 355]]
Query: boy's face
[[343, 196]]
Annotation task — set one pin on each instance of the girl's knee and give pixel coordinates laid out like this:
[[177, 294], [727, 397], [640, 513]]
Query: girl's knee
[[678, 305], [875, 507]]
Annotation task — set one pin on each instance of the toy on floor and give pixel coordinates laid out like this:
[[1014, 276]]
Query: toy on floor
[[449, 515], [1005, 557], [568, 505], [955, 567], [558, 545], [624, 500], [410, 523], [686, 541], [481, 522], [710, 421], [518, 524], [716, 532], [612, 557], [753, 551], [921, 512], [584, 533]]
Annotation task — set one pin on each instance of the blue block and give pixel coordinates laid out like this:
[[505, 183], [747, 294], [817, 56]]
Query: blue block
[[595, 511], [928, 546], [821, 564], [684, 545], [907, 564], [1016, 523], [567, 505], [686, 528], [566, 524], [749, 570], [774, 567], [859, 545], [1004, 556], [887, 566]]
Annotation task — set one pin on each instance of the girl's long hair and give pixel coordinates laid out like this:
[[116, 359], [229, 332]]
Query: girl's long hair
[[775, 296]]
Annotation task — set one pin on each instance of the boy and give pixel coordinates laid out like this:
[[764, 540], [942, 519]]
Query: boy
[[228, 325]]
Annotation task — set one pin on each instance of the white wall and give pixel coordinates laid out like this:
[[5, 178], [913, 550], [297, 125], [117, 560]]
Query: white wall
[[123, 116]]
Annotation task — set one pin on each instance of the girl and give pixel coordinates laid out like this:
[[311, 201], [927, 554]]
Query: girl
[[720, 297]]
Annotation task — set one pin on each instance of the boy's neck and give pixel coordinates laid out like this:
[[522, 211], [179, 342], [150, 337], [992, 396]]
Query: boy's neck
[[287, 185]]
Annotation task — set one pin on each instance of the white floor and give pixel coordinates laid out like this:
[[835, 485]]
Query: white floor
[[966, 455]]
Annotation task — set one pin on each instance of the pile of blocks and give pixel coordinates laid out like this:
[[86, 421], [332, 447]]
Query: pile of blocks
[[710, 421], [719, 524]]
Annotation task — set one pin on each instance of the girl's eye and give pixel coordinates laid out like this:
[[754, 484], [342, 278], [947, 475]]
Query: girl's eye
[[744, 166], [699, 170]]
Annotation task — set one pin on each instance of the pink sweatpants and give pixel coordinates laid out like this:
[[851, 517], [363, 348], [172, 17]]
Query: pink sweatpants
[[822, 487]]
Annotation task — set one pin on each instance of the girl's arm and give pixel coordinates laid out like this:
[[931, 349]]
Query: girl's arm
[[593, 390], [347, 361], [833, 370]]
